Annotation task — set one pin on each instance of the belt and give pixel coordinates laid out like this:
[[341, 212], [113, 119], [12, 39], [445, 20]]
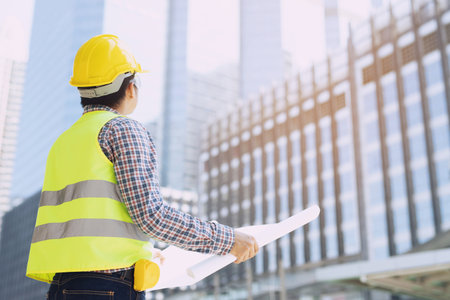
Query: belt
[[125, 274]]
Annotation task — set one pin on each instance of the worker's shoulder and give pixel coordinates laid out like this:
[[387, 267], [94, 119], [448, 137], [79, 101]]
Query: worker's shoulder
[[124, 123]]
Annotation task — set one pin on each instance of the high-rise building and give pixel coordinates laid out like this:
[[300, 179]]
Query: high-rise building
[[339, 15], [190, 98], [11, 88], [366, 136], [50, 104], [175, 98], [261, 53]]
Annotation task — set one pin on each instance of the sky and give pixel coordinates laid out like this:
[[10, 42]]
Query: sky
[[213, 36]]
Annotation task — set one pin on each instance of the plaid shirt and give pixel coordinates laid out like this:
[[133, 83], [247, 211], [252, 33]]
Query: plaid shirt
[[129, 146]]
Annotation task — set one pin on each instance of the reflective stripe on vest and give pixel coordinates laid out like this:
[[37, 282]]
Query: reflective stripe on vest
[[82, 224], [88, 227]]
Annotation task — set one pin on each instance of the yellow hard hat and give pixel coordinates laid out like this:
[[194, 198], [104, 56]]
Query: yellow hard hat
[[101, 60]]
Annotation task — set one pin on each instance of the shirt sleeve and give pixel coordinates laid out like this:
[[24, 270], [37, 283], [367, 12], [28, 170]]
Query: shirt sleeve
[[130, 148]]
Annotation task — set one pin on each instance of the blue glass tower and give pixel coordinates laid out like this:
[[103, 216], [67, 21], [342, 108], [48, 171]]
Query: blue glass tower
[[50, 104]]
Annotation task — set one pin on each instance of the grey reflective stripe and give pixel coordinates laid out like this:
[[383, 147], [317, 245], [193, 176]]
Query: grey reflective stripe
[[88, 227], [83, 189], [104, 89]]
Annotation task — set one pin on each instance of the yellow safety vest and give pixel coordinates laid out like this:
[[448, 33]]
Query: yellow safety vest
[[82, 223]]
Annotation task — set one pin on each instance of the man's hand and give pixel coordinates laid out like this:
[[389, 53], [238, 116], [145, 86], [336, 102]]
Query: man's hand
[[244, 248]]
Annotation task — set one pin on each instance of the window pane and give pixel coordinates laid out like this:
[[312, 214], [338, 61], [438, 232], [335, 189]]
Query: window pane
[[389, 93], [370, 102], [433, 73], [414, 114], [395, 154], [421, 180], [437, 105], [417, 146], [411, 83]]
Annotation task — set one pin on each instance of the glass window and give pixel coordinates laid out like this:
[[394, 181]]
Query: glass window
[[258, 213], [392, 123], [328, 188], [286, 256], [311, 141], [346, 182], [272, 253], [315, 249], [258, 187], [259, 259], [411, 83], [373, 161], [298, 204], [283, 177], [312, 194], [269, 159], [311, 163], [345, 154], [380, 252], [395, 154], [326, 134], [343, 127], [424, 214], [295, 148], [327, 160], [403, 246], [257, 161], [437, 105], [421, 180], [299, 247], [297, 170], [443, 173], [330, 216], [282, 153], [445, 209], [247, 169], [370, 102], [351, 240], [376, 192], [284, 203], [433, 73], [417, 146], [331, 240], [440, 138], [398, 186], [348, 211], [379, 228], [371, 132], [270, 207], [270, 182], [414, 114], [401, 220], [390, 93]]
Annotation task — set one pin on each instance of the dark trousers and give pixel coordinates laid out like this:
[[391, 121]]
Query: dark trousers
[[94, 286]]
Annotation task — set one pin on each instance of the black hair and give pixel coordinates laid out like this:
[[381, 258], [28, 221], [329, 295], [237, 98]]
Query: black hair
[[112, 100]]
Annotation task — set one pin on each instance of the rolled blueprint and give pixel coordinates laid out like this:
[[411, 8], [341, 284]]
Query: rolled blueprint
[[182, 267]]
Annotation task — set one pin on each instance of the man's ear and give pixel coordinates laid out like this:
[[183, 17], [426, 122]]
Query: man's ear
[[130, 91]]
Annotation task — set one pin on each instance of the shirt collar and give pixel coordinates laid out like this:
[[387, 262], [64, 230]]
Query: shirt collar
[[95, 107]]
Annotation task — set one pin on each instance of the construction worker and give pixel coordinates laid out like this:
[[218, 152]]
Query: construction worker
[[101, 203]]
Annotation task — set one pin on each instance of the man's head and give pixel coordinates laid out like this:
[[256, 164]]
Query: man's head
[[104, 72]]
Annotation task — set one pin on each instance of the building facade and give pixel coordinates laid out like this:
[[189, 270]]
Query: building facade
[[11, 89], [261, 53], [365, 135]]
